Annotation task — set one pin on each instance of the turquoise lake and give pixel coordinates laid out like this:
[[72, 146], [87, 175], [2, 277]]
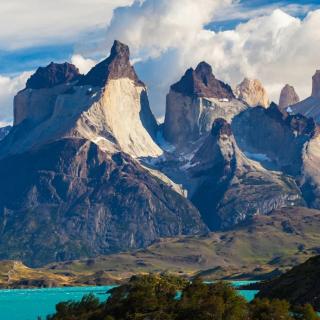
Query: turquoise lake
[[29, 304]]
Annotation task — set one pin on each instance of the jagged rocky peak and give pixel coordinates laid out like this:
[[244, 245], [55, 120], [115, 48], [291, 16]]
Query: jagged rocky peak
[[288, 97], [253, 93], [202, 83], [116, 66], [217, 148], [230, 187], [81, 201], [36, 102], [108, 106], [194, 102], [316, 85], [52, 75]]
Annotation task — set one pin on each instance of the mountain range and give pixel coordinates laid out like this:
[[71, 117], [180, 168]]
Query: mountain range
[[86, 170]]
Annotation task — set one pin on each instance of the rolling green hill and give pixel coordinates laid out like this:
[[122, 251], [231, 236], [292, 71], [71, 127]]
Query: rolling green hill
[[263, 248]]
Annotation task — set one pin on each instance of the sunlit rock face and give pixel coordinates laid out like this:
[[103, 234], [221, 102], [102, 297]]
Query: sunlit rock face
[[194, 102], [71, 168], [108, 106], [252, 92], [288, 97]]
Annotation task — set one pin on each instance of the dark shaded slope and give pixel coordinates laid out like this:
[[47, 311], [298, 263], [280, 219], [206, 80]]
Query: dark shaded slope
[[69, 200], [300, 285]]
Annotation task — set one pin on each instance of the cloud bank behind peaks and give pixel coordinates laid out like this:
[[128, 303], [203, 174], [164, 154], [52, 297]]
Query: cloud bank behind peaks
[[170, 36], [9, 86]]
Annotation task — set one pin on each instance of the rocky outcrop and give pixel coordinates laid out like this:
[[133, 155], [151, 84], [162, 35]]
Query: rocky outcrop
[[69, 199], [108, 106], [194, 102], [202, 83], [36, 102], [299, 286], [230, 187], [288, 97], [316, 85], [252, 92], [310, 107], [53, 75], [265, 136], [116, 66]]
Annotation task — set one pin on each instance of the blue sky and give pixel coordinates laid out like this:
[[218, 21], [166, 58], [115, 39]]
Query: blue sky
[[15, 61], [35, 32]]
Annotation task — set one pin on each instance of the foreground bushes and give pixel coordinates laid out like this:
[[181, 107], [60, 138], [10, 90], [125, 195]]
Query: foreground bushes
[[154, 297]]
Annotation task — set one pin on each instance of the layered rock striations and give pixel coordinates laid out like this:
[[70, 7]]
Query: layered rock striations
[[252, 92], [194, 102]]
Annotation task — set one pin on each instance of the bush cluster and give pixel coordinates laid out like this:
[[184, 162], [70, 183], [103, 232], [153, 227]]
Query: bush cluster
[[166, 297]]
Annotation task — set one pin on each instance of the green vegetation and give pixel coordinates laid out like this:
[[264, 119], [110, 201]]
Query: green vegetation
[[263, 248], [154, 297]]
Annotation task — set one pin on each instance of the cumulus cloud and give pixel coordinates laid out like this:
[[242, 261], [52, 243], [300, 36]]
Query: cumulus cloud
[[39, 22], [151, 27], [170, 36], [83, 64], [8, 88]]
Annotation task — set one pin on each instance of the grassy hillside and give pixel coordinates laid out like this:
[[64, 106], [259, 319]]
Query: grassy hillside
[[300, 285], [263, 248]]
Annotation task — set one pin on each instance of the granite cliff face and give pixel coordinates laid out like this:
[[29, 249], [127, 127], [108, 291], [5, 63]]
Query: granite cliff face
[[108, 106], [252, 92], [232, 188], [288, 97], [263, 133], [70, 184], [85, 167], [194, 102], [243, 165]]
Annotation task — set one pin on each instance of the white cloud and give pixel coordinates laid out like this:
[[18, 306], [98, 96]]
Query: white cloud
[[8, 88], [83, 64], [39, 22], [151, 27], [170, 36]]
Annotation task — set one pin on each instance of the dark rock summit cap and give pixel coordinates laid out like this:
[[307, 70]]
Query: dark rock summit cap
[[221, 127], [202, 83], [52, 75], [116, 66]]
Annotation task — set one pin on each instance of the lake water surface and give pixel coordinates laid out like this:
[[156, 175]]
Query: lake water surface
[[28, 304]]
